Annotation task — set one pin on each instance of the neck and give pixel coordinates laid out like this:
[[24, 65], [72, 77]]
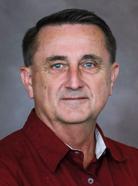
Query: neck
[[80, 137], [77, 136]]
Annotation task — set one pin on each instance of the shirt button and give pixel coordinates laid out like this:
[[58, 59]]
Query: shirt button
[[90, 180]]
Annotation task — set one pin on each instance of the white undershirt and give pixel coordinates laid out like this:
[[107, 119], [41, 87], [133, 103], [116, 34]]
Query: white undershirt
[[100, 145]]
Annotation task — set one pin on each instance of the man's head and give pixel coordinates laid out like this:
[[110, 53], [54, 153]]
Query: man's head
[[70, 66], [69, 16]]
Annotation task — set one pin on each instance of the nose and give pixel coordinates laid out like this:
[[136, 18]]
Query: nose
[[74, 80]]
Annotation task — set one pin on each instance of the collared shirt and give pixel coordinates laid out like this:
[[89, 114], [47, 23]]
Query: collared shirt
[[35, 156], [100, 146]]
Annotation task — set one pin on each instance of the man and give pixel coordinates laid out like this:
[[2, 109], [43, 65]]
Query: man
[[69, 71]]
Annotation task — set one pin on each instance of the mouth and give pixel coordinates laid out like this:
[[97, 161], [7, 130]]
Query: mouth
[[74, 102], [74, 98]]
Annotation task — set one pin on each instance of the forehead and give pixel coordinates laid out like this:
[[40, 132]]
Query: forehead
[[71, 39], [70, 31]]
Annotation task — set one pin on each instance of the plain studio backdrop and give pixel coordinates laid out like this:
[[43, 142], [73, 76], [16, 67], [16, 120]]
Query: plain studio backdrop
[[119, 120]]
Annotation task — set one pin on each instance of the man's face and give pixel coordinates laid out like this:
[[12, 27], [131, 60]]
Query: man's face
[[71, 76]]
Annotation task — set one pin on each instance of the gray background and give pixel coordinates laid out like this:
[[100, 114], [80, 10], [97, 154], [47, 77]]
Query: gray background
[[120, 117]]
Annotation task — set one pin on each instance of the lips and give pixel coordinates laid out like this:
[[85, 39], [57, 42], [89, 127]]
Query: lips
[[74, 102], [74, 98]]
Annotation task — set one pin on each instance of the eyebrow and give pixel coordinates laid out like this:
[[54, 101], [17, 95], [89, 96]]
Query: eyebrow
[[56, 58], [92, 57]]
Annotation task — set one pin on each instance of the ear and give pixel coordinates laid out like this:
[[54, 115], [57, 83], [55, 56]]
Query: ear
[[26, 77], [114, 75]]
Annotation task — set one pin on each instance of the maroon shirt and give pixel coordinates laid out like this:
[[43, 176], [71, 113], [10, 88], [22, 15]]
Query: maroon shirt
[[34, 156]]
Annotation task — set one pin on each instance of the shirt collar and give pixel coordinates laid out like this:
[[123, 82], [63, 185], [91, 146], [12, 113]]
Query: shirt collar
[[112, 147], [52, 150], [100, 145], [49, 147]]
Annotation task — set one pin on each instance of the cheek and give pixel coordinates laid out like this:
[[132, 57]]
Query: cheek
[[46, 85], [55, 84], [105, 91], [101, 87], [49, 89], [39, 86]]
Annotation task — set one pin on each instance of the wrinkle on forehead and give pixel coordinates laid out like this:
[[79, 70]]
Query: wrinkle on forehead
[[57, 31], [72, 40]]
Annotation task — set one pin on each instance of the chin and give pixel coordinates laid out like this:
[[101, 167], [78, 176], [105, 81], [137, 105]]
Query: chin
[[73, 118]]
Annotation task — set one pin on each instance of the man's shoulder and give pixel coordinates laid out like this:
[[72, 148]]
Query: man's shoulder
[[12, 144], [121, 145], [127, 151]]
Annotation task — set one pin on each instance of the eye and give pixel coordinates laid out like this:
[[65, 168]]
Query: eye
[[57, 66], [88, 65]]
